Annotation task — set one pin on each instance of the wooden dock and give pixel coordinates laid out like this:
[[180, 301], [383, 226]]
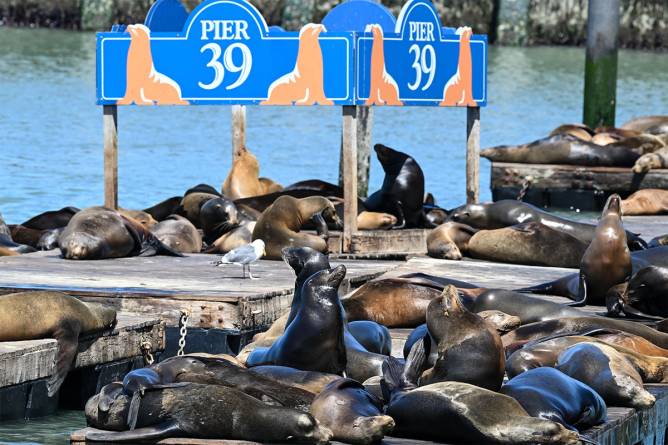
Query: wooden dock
[[567, 186], [382, 243], [26, 365]]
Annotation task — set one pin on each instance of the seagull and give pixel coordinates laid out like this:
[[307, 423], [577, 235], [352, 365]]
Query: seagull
[[244, 256]]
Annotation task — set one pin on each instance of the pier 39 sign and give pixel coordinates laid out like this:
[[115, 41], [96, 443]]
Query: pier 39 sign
[[226, 54]]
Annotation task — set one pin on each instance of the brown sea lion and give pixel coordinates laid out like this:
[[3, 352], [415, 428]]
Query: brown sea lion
[[607, 260], [650, 161], [351, 413], [390, 302], [243, 179], [179, 234], [191, 206], [199, 411], [580, 131], [646, 202], [165, 208], [501, 321], [235, 238], [469, 349], [311, 381], [99, 233], [269, 186], [449, 240], [37, 315], [10, 246], [644, 123], [607, 372], [532, 243], [633, 342], [5, 251], [143, 218], [279, 224], [23, 235], [375, 221], [605, 138]]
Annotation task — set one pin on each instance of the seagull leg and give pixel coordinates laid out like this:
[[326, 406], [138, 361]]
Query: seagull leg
[[243, 268], [251, 275]]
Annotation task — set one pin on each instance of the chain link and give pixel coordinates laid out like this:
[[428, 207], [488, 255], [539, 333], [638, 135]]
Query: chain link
[[525, 187], [183, 331], [146, 349]]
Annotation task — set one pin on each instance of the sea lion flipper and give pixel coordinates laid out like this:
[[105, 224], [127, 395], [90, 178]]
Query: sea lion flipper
[[152, 246], [320, 225], [416, 361], [156, 432], [582, 293], [67, 336]]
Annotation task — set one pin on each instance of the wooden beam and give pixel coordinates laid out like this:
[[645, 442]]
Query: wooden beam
[[364, 128], [238, 129], [472, 154], [110, 121], [349, 176]]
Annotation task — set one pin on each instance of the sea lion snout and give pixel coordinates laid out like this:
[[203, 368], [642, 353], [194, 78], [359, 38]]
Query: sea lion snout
[[79, 245], [613, 205]]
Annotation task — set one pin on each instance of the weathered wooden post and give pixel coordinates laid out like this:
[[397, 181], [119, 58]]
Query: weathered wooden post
[[349, 176], [472, 154], [238, 129], [110, 122], [364, 116], [600, 89]]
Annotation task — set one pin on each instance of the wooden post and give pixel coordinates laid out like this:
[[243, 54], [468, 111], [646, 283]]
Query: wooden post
[[349, 176], [472, 154], [600, 89], [238, 129], [110, 121], [364, 126]]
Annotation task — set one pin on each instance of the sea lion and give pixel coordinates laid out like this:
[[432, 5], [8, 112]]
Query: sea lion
[[375, 221], [240, 236], [311, 381], [632, 342], [469, 349], [448, 240], [218, 216], [607, 372], [657, 241], [53, 219], [164, 209], [143, 218], [8, 245], [243, 179], [313, 341], [179, 234], [270, 186], [36, 315], [4, 229], [607, 260], [390, 302], [505, 213], [22, 235], [456, 412], [99, 233], [200, 411], [579, 131], [49, 239], [643, 123], [279, 224], [402, 192], [351, 413], [501, 321], [531, 243], [646, 202], [646, 293], [552, 395], [372, 336], [191, 206]]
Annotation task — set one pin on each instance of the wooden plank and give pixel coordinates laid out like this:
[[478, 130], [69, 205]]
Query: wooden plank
[[110, 123], [24, 361], [409, 241], [364, 130], [238, 129], [472, 154], [349, 176]]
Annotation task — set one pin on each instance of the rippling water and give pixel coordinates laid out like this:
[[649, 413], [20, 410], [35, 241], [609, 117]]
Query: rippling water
[[52, 430], [51, 129]]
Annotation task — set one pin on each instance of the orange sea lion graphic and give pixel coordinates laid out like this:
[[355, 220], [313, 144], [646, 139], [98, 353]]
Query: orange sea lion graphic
[[146, 86], [384, 89], [459, 89], [305, 84]]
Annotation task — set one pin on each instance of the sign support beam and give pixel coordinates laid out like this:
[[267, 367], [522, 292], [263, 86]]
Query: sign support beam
[[110, 122], [238, 129], [349, 176], [472, 155]]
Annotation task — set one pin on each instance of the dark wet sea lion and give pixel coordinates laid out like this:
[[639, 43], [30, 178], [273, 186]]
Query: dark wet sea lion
[[200, 411], [203, 188], [580, 325], [469, 349], [218, 216], [191, 206], [351, 413], [326, 188], [550, 394], [179, 234], [279, 225], [402, 192], [99, 233], [436, 282], [373, 336], [530, 243], [311, 381], [505, 213], [243, 179], [10, 246], [51, 220], [646, 202], [165, 208], [23, 235], [644, 123], [607, 260], [449, 240], [456, 412], [143, 218], [390, 302], [313, 341], [647, 293], [37, 315], [607, 372]]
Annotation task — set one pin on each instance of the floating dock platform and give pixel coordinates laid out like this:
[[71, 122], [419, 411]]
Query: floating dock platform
[[570, 186], [25, 366], [382, 243]]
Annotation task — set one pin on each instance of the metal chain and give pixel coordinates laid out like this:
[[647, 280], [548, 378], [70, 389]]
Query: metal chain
[[525, 187], [183, 331], [146, 349]]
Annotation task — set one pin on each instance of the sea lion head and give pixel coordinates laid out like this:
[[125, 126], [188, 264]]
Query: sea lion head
[[391, 159], [219, 214], [303, 428], [49, 239], [305, 261], [82, 246], [613, 205], [330, 216], [105, 315], [321, 284], [474, 215], [108, 409]]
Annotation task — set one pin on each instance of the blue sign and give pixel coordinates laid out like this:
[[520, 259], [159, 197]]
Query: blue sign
[[225, 54], [421, 63]]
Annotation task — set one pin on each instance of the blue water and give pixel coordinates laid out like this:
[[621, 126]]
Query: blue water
[[51, 129], [52, 430]]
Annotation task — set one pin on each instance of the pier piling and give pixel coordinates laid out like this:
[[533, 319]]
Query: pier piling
[[110, 120]]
